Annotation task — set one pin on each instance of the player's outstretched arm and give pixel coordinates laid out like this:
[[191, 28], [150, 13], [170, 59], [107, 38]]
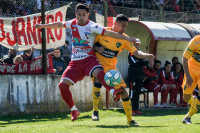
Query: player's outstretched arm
[[140, 54], [189, 79], [119, 36], [56, 25]]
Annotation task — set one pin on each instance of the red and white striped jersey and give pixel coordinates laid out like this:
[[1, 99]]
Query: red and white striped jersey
[[83, 37]]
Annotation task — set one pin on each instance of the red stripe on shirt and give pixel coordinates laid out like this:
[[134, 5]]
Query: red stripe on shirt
[[75, 32], [103, 31]]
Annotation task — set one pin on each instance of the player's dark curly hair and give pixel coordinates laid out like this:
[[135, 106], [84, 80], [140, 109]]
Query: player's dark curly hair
[[167, 62], [121, 17], [82, 6]]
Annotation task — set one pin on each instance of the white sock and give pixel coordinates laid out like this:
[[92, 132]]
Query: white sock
[[112, 91], [74, 108]]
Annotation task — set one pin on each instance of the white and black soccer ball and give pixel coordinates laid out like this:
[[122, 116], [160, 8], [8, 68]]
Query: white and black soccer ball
[[113, 78]]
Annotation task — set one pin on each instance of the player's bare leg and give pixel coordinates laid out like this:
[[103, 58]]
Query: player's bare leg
[[67, 97], [99, 73], [127, 107], [194, 103]]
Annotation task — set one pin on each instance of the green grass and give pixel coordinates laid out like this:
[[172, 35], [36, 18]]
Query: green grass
[[111, 121]]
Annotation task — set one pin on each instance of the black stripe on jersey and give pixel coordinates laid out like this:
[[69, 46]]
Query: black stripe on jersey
[[107, 52], [196, 56]]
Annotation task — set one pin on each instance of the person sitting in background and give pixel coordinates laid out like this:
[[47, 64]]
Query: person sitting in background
[[9, 58], [58, 62], [151, 83], [178, 74], [28, 54], [174, 60], [18, 59], [167, 77]]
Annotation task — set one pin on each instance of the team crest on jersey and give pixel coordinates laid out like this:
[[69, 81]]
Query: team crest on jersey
[[118, 44]]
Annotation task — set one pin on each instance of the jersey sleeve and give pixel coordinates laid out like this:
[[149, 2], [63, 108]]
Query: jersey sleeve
[[129, 46], [67, 24], [95, 28], [190, 48]]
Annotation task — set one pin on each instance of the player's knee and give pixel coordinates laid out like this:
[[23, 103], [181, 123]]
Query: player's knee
[[65, 81], [96, 80]]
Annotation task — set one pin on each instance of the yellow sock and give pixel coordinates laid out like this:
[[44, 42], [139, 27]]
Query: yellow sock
[[191, 100], [195, 106], [96, 95], [127, 109]]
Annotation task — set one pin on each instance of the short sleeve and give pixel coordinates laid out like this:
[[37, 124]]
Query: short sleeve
[[95, 28], [190, 48], [67, 24], [129, 46]]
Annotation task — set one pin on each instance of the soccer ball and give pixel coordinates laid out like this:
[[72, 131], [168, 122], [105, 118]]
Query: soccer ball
[[113, 78]]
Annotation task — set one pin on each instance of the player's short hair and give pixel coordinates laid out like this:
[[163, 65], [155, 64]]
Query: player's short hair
[[56, 49], [82, 6], [167, 63], [121, 17], [157, 61], [174, 58]]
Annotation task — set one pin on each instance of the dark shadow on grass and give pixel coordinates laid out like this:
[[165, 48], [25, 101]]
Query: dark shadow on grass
[[33, 118], [197, 123], [151, 113], [125, 126]]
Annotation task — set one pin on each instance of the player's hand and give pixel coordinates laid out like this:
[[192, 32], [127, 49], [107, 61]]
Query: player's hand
[[38, 26], [150, 57], [189, 81], [132, 40], [100, 49]]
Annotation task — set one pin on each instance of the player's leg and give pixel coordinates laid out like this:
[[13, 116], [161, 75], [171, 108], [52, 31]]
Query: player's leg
[[94, 69], [70, 76], [188, 97], [99, 73], [126, 102], [96, 95]]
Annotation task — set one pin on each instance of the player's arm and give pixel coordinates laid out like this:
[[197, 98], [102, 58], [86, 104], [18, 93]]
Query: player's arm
[[189, 79], [140, 54], [186, 56], [55, 25], [118, 36]]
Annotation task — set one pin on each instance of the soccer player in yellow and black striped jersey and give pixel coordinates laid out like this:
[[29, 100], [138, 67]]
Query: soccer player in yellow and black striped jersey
[[191, 65], [107, 50]]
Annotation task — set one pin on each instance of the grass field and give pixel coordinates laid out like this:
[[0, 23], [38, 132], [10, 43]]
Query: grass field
[[111, 121]]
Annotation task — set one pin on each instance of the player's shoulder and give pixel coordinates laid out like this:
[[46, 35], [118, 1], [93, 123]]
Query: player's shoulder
[[196, 40], [125, 35], [93, 24]]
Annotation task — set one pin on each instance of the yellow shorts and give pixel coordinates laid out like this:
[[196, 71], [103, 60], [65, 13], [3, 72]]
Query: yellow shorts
[[111, 68], [195, 74]]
